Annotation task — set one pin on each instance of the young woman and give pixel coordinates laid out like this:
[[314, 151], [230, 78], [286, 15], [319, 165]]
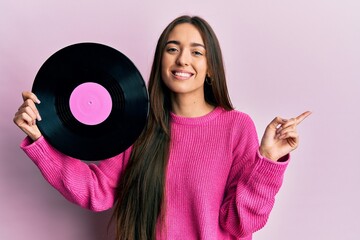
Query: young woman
[[197, 171]]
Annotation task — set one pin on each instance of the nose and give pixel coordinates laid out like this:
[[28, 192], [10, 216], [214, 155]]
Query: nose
[[183, 58]]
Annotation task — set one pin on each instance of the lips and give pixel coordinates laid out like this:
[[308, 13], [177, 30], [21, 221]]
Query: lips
[[182, 74]]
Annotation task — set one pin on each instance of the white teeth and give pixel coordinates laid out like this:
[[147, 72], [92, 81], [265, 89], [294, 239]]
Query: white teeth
[[183, 74]]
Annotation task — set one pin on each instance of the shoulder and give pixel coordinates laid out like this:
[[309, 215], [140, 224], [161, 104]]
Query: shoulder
[[237, 117], [239, 124]]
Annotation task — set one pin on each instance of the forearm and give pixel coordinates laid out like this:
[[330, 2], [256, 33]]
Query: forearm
[[248, 207], [88, 186]]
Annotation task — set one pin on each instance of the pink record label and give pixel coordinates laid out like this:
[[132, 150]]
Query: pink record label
[[90, 103]]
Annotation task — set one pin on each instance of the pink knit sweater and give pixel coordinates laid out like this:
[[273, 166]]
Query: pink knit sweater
[[218, 186]]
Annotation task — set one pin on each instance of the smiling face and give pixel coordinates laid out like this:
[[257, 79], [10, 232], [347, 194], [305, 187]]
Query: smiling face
[[184, 63]]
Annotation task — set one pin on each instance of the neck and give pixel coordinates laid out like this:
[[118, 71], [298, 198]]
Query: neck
[[190, 106]]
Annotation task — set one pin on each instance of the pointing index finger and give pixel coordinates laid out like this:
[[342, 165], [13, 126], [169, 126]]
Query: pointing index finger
[[302, 116]]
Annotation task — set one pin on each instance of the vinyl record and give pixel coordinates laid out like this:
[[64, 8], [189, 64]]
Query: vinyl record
[[94, 102]]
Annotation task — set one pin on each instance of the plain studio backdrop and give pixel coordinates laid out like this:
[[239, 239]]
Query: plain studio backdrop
[[281, 58]]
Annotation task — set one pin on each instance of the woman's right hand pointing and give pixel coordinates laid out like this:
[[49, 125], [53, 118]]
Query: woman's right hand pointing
[[281, 137], [27, 115]]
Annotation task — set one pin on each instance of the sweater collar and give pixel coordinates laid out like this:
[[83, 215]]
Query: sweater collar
[[196, 120]]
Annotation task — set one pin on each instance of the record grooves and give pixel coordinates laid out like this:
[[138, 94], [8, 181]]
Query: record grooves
[[77, 128]]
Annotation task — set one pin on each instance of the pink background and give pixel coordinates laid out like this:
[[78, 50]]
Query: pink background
[[282, 58]]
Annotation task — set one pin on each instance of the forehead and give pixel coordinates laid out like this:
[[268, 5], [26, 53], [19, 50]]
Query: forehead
[[185, 33]]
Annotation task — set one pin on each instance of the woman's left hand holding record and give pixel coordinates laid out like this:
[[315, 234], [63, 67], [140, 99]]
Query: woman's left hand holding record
[[27, 115]]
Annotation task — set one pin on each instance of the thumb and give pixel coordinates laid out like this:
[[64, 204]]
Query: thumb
[[276, 122]]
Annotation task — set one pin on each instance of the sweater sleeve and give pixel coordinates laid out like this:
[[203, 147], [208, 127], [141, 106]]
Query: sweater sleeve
[[252, 185], [91, 186]]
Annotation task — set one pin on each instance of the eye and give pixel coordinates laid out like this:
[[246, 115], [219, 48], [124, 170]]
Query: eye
[[171, 50], [198, 53]]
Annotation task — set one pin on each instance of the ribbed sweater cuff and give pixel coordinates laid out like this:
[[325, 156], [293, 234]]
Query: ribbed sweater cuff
[[36, 150], [271, 168]]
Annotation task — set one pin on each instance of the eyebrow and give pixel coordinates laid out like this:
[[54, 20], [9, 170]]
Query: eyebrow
[[191, 44]]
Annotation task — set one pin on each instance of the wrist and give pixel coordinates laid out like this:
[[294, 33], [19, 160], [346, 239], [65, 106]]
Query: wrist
[[35, 137], [266, 154]]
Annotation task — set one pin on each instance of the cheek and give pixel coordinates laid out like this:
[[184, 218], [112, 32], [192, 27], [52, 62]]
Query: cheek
[[202, 68], [165, 63], [163, 67]]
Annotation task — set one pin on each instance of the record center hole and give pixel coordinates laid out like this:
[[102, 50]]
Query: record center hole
[[90, 102]]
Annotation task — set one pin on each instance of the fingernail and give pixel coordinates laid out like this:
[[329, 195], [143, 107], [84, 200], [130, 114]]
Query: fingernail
[[38, 117], [37, 101]]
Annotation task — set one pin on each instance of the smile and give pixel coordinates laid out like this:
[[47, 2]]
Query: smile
[[182, 75]]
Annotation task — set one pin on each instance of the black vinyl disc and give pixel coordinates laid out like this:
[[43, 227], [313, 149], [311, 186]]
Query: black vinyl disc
[[94, 101]]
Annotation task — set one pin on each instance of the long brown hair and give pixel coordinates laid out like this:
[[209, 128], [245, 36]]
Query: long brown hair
[[140, 201]]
